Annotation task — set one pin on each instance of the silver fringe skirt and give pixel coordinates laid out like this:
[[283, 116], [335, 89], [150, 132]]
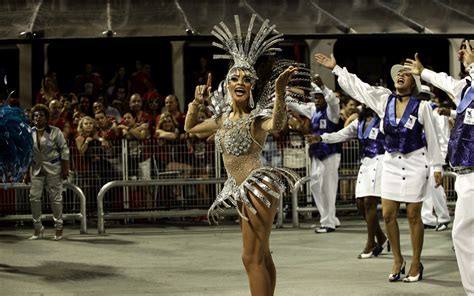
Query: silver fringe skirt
[[256, 183]]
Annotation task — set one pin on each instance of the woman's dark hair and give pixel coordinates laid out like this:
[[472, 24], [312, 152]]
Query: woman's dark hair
[[365, 112], [41, 108], [133, 113]]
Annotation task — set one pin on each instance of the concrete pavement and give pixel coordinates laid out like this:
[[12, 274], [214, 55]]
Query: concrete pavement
[[183, 259]]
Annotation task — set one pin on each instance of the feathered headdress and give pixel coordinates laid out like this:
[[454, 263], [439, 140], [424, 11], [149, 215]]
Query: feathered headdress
[[245, 53]]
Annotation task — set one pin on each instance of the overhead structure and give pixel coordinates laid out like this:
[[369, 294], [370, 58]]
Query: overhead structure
[[180, 19]]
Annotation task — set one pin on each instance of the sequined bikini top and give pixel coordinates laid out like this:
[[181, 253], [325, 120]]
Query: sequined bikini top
[[237, 137]]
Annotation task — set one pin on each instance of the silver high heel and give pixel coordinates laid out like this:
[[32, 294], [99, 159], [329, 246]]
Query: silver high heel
[[37, 236], [416, 278]]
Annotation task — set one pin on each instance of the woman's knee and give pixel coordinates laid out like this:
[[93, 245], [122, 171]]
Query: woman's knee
[[251, 260], [414, 213], [414, 217], [389, 215]]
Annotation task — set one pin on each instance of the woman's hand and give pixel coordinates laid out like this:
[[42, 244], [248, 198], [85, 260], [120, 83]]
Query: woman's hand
[[328, 62], [203, 92], [438, 176], [414, 66], [465, 54], [312, 139], [282, 81]]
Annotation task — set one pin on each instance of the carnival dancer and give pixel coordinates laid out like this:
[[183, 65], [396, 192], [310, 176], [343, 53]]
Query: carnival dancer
[[244, 114], [368, 188], [406, 162], [460, 156], [436, 197], [323, 112]]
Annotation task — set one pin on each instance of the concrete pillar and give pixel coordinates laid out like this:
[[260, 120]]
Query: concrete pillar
[[454, 64], [325, 46], [25, 73], [178, 71]]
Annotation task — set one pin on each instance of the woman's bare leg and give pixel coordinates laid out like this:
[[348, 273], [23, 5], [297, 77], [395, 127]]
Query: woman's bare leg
[[416, 234], [370, 244], [373, 226], [256, 254], [390, 213]]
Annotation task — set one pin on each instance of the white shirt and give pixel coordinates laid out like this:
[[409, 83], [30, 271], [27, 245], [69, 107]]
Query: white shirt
[[376, 98], [345, 134], [453, 87], [308, 109]]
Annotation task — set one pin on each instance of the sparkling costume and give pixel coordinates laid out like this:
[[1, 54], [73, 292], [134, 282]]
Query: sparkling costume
[[239, 141], [460, 154], [242, 158]]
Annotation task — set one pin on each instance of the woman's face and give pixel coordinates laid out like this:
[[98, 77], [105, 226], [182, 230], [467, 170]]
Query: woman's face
[[88, 126], [39, 119], [129, 120], [404, 82], [350, 107], [154, 104], [201, 117], [167, 124], [240, 85]]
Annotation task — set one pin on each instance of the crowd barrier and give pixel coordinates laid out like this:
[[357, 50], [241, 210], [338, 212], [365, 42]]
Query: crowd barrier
[[18, 207], [163, 178], [297, 209]]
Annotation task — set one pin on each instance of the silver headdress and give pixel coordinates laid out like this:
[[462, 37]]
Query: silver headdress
[[245, 53]]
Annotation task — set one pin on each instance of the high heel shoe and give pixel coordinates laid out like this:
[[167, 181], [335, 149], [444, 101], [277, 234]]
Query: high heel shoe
[[416, 278], [393, 277], [58, 235], [387, 244], [37, 235], [372, 253]]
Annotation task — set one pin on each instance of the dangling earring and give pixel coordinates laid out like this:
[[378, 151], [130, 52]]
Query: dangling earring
[[251, 102]]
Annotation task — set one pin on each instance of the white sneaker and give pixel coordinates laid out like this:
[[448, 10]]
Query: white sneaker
[[442, 227], [324, 229]]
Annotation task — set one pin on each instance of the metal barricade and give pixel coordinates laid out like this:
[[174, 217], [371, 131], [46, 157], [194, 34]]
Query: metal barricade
[[296, 209], [147, 214], [66, 216], [157, 159]]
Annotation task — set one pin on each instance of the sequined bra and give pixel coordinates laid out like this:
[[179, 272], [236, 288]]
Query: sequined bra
[[237, 137]]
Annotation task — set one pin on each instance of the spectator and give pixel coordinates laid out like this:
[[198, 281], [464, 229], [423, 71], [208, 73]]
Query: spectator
[[139, 160], [56, 119], [89, 82], [47, 92], [120, 85], [50, 166], [172, 106]]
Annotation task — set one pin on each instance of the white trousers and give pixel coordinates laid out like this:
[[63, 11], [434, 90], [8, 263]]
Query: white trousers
[[463, 230], [435, 200], [323, 184]]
